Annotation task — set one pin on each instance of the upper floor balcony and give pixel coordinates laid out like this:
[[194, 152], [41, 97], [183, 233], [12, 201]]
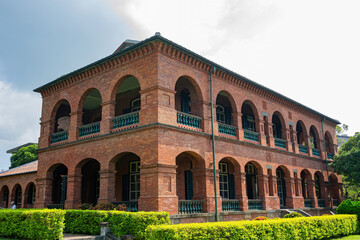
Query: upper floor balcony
[[93, 117]]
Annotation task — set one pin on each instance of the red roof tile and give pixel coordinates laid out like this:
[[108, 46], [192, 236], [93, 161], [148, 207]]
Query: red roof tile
[[26, 168]]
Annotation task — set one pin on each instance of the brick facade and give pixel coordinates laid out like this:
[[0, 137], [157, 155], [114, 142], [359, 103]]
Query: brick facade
[[170, 137]]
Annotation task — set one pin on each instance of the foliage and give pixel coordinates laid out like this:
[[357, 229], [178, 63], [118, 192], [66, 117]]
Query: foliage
[[296, 228], [347, 162], [32, 224], [341, 129], [349, 207], [24, 155], [261, 218], [293, 215], [87, 221]]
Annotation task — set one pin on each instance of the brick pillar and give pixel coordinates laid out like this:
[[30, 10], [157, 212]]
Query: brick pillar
[[312, 193], [107, 186], [272, 183], [46, 128], [292, 199], [289, 145], [107, 113], [244, 204], [261, 128], [295, 144], [158, 188], [321, 148], [238, 121], [216, 124], [307, 143], [341, 192], [73, 195], [269, 129], [75, 122], [269, 202], [204, 188], [43, 192]]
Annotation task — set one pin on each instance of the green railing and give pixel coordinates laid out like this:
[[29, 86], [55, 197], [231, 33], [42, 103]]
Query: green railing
[[190, 206], [227, 129], [188, 120], [125, 120], [230, 205], [89, 129], [59, 136], [308, 203], [330, 155], [321, 203], [131, 206], [281, 143], [303, 149], [55, 206], [255, 204], [250, 135], [316, 152]]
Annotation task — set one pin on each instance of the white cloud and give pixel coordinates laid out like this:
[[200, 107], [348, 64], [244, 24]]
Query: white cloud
[[307, 50], [19, 119]]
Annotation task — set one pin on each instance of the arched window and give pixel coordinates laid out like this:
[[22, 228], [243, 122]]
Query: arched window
[[18, 197], [248, 117], [185, 101], [135, 105], [252, 189], [277, 127], [227, 183], [317, 185], [281, 186], [127, 96]]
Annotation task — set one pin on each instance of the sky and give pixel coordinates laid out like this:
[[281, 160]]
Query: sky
[[307, 50]]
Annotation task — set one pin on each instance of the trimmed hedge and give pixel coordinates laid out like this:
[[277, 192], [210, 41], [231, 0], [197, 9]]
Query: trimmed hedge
[[295, 228], [135, 223], [349, 207], [32, 224]]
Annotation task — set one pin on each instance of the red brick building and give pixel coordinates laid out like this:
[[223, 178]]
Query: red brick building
[[135, 127]]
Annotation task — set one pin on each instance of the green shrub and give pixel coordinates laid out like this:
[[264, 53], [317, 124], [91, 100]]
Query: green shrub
[[32, 224], [87, 221], [296, 228], [293, 215], [349, 207]]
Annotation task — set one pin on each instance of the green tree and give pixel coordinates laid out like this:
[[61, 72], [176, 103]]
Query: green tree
[[24, 155], [347, 163], [341, 129]]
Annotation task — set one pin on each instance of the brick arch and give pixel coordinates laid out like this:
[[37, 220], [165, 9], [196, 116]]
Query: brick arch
[[53, 167], [118, 84], [307, 174], [329, 144], [317, 136], [26, 195], [84, 95], [199, 160], [234, 106], [233, 161], [83, 162], [13, 195], [282, 122], [3, 202], [285, 170], [259, 168], [304, 131], [118, 157], [194, 83], [56, 106]]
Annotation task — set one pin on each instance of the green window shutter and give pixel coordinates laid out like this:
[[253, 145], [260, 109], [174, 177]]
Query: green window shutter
[[185, 102], [63, 189], [231, 186], [228, 116], [188, 185], [125, 187]]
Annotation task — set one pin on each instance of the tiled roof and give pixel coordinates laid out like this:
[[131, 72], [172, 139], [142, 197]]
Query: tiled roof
[[26, 168]]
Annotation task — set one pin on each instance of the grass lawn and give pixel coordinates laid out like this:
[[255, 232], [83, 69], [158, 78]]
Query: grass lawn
[[351, 237]]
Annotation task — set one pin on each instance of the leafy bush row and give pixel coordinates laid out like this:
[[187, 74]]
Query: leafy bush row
[[87, 221], [32, 224], [292, 228]]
